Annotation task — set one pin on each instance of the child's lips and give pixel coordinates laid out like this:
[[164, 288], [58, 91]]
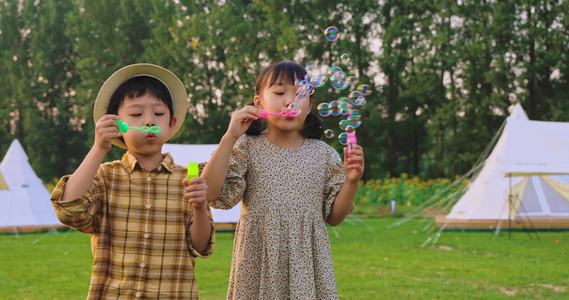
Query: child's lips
[[151, 137]]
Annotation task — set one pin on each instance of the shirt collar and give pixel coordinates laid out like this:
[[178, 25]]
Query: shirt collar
[[131, 163]]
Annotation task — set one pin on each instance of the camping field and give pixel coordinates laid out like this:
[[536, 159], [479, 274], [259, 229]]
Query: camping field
[[372, 261]]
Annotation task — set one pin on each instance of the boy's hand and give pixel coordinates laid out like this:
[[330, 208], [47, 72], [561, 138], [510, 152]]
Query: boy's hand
[[106, 129], [354, 171], [196, 192], [241, 120]]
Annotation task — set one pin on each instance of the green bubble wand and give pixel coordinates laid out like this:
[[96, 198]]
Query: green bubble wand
[[123, 127]]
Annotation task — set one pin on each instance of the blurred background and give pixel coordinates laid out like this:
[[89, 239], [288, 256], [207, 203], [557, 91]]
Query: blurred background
[[449, 71]]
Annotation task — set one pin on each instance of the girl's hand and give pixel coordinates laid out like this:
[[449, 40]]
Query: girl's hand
[[106, 129], [354, 164], [241, 120], [196, 192]]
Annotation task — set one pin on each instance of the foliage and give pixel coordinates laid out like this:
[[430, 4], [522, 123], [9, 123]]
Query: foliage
[[374, 196], [450, 70], [370, 262]]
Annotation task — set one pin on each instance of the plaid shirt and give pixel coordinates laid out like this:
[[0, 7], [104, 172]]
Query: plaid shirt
[[139, 224]]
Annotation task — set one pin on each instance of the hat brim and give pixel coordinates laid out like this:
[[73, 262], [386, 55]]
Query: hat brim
[[176, 87]]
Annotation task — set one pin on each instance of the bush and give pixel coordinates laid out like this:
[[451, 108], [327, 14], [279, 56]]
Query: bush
[[374, 196]]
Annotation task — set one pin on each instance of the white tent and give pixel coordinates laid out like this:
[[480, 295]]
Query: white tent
[[184, 154], [24, 200], [525, 179]]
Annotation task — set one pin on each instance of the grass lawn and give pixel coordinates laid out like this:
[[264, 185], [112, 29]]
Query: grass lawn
[[371, 261]]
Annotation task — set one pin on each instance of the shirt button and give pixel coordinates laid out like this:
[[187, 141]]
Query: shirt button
[[146, 235], [142, 265], [148, 206], [137, 295], [159, 168], [149, 178]]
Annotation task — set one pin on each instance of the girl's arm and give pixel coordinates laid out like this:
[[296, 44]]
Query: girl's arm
[[79, 183], [345, 198], [216, 168]]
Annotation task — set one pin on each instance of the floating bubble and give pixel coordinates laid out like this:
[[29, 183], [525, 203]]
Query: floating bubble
[[344, 124], [364, 89], [345, 57], [318, 80], [361, 100], [354, 95], [379, 87], [354, 120], [294, 107], [355, 112], [329, 133], [344, 107], [343, 138], [333, 70], [338, 80], [335, 108], [298, 82], [323, 109], [353, 80], [350, 129], [332, 33]]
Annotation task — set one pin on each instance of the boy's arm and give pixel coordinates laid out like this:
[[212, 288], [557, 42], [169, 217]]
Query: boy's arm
[[201, 225], [345, 198], [78, 184], [216, 168]]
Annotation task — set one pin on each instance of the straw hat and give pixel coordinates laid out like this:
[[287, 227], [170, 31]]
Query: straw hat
[[175, 86]]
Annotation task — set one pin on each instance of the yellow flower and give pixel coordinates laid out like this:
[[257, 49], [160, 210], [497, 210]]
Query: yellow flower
[[383, 196], [363, 200], [195, 42], [405, 175], [385, 188]]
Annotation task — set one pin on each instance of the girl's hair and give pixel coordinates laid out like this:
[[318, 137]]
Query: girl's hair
[[286, 72], [139, 86]]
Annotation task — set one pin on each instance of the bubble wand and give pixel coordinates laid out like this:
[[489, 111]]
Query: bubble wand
[[193, 171], [288, 114], [351, 141], [123, 127]]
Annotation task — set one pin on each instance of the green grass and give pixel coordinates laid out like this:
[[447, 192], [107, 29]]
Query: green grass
[[371, 261]]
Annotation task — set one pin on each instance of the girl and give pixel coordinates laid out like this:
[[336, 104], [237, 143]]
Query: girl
[[291, 185]]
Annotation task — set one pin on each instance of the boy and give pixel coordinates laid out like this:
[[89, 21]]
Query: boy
[[147, 222]]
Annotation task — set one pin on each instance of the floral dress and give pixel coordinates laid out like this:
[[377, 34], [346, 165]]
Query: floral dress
[[281, 248]]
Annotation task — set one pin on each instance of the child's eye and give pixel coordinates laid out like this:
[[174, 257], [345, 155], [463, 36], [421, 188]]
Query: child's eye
[[279, 93], [135, 115], [159, 114]]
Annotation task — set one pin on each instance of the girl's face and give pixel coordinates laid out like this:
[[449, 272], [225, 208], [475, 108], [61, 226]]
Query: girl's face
[[146, 110], [276, 98]]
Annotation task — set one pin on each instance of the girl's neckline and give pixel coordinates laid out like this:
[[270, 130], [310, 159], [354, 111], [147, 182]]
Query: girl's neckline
[[304, 143]]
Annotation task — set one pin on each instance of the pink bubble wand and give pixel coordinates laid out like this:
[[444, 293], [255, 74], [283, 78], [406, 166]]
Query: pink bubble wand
[[288, 114]]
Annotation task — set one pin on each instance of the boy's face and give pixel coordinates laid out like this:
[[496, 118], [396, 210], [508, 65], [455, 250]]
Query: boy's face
[[146, 110]]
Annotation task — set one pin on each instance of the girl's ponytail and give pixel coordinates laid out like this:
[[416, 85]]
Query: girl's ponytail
[[313, 127]]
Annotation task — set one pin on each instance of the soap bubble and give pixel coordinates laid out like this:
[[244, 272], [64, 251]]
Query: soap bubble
[[354, 120], [343, 138], [364, 89], [329, 133], [345, 57], [361, 100], [332, 33], [344, 124], [323, 109]]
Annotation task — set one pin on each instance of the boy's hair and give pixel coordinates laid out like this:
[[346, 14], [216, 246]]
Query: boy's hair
[[139, 86], [287, 72]]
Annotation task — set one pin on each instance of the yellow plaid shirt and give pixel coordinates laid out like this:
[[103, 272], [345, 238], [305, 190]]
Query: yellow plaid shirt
[[139, 224]]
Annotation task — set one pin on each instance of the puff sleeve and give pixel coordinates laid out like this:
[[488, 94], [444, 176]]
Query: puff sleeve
[[333, 182], [235, 183]]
